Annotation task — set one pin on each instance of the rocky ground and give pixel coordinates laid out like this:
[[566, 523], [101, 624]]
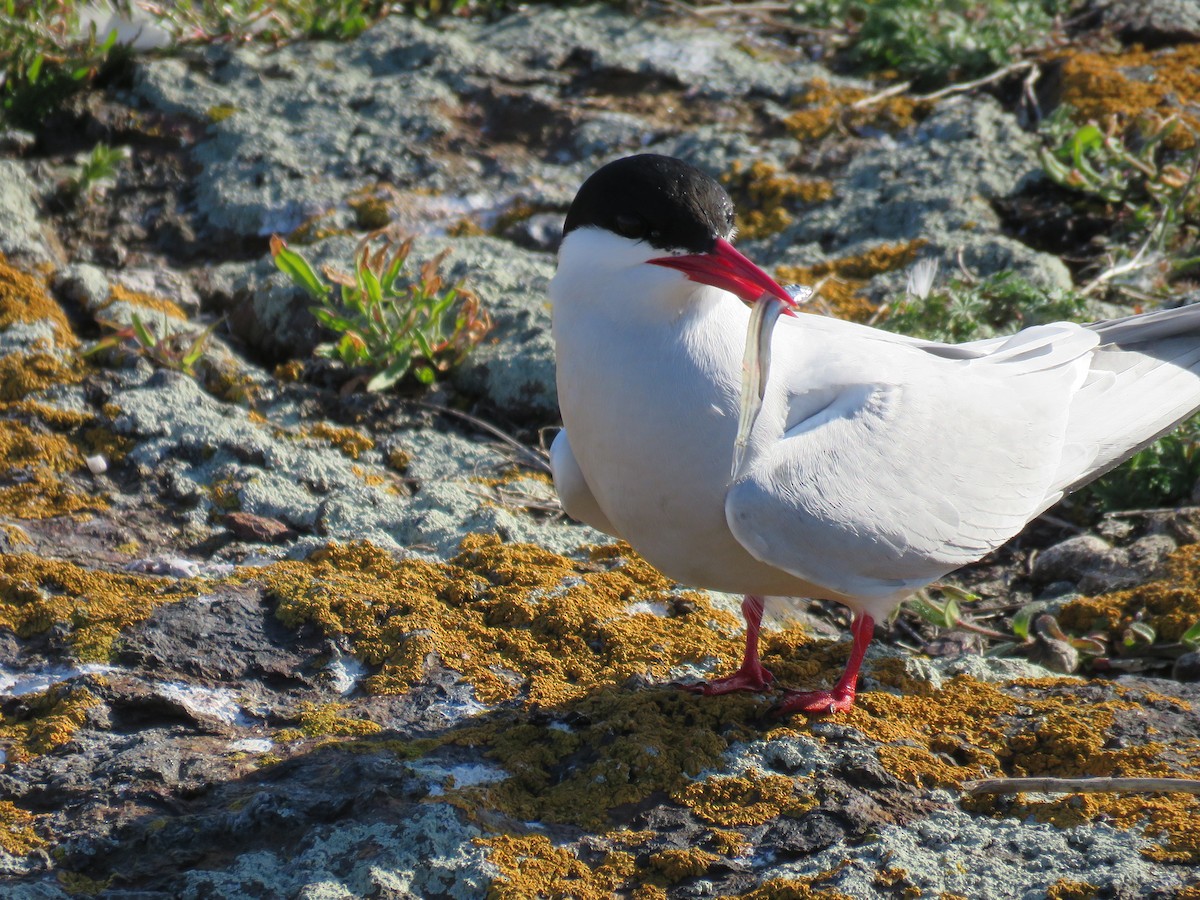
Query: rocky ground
[[294, 641]]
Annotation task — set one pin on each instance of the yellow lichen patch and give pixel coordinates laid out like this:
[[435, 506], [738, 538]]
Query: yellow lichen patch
[[840, 281], [23, 298], [37, 594], [896, 880], [623, 746], [371, 479], [348, 440], [728, 843], [327, 720], [514, 619], [969, 729], [38, 458], [161, 305], [676, 865], [762, 194], [81, 885], [743, 799], [1071, 890], [17, 836], [1170, 605], [292, 370], [22, 374], [46, 721], [531, 867], [1171, 819], [1130, 85], [825, 109], [793, 889]]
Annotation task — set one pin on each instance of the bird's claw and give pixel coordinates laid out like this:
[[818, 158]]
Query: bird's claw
[[814, 703], [743, 679]]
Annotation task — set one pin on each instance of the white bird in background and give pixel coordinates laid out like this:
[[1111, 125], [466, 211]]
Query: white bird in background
[[877, 463]]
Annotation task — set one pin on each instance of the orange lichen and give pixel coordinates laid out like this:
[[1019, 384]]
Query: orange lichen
[[290, 371], [676, 865], [896, 881], [532, 867], [762, 195], [1135, 83], [17, 836], [744, 800], [625, 746], [163, 306], [45, 721], [1170, 605], [348, 440], [1172, 819], [23, 298], [92, 606], [39, 457], [825, 109], [839, 282], [327, 720], [1063, 889], [793, 889], [514, 619], [22, 374]]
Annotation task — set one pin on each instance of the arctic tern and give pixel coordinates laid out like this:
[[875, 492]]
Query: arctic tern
[[877, 464]]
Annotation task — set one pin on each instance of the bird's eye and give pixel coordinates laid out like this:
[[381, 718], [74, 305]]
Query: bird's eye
[[631, 226]]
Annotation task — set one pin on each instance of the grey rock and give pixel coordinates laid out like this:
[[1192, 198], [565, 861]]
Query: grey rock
[[935, 183], [430, 853], [1095, 566], [1152, 22], [21, 235], [84, 285]]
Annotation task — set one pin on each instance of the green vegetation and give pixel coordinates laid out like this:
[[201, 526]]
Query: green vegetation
[[179, 350], [388, 326], [1147, 189], [934, 42], [965, 310], [96, 172], [45, 56], [46, 52], [1164, 474]]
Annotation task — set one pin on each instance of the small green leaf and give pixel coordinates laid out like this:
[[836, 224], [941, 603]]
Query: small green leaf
[[1191, 637], [144, 336], [1139, 634], [1024, 617], [296, 267], [389, 376]]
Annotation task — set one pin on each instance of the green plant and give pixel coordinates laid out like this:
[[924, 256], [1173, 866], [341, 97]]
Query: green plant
[[931, 41], [44, 57], [1146, 188], [97, 170], [178, 350], [969, 310], [388, 325], [1163, 474]]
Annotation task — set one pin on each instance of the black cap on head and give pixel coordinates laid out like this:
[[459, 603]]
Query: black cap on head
[[657, 199]]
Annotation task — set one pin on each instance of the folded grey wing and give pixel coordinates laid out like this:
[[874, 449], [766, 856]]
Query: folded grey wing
[[576, 496], [876, 489]]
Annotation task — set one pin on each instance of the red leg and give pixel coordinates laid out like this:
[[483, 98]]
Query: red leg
[[751, 676], [841, 698]]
